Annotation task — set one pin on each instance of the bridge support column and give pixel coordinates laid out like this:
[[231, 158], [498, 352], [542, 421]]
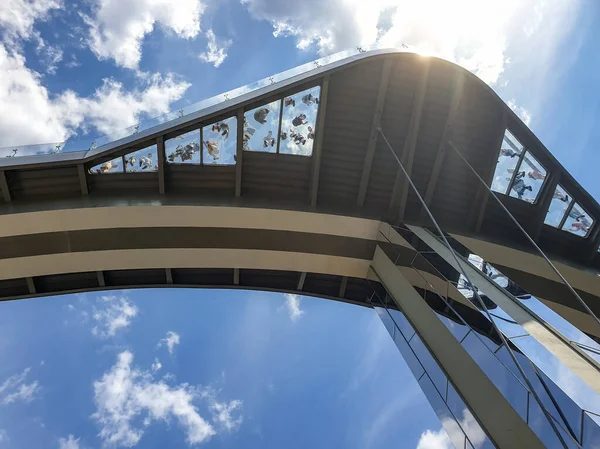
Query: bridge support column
[[473, 411]]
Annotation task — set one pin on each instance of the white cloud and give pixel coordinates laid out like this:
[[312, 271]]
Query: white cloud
[[227, 415], [170, 341], [32, 115], [292, 303], [434, 440], [125, 394], [523, 113], [114, 315], [69, 443], [16, 389], [18, 16], [3, 436], [50, 55], [156, 365], [118, 27], [215, 52], [472, 33]]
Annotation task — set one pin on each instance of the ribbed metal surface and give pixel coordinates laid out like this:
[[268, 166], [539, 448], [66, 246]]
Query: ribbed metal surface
[[280, 176], [399, 103], [191, 179], [350, 108], [117, 183], [38, 183]]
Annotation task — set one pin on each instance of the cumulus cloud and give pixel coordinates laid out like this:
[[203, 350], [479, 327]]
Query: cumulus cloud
[[15, 388], [434, 440], [215, 52], [17, 17], [472, 33], [32, 115], [523, 113], [124, 394], [113, 315], [69, 443], [117, 27], [170, 341], [292, 303]]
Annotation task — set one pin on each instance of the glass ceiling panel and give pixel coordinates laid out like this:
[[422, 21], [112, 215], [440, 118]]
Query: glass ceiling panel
[[184, 149], [578, 221], [261, 127], [508, 159], [113, 166], [145, 159], [529, 179], [219, 146], [558, 206], [299, 122], [94, 140]]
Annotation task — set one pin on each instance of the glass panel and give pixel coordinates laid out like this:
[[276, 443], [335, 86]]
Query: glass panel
[[114, 166], [507, 162], [385, 319], [435, 372], [529, 180], [145, 159], [299, 122], [467, 421], [459, 330], [558, 206], [591, 431], [502, 378], [402, 323], [219, 146], [408, 355], [261, 127], [441, 410], [578, 222], [539, 423], [184, 149]]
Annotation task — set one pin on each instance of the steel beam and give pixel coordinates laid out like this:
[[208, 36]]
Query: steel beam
[[169, 275], [4, 187], [496, 415], [459, 83], [101, 280], [318, 145], [82, 179], [301, 281], [239, 152], [401, 186], [482, 195], [375, 125], [30, 285], [160, 150]]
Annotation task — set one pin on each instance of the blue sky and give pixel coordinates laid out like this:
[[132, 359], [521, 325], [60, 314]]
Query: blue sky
[[80, 69], [288, 372]]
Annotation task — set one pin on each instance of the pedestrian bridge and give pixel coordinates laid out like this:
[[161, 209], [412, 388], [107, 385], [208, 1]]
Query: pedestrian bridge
[[287, 186]]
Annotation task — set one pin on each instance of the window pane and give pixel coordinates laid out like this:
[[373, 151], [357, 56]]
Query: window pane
[[578, 222], [507, 162], [142, 160], [184, 149], [219, 145], [529, 180], [114, 166], [299, 122], [261, 127], [560, 202]]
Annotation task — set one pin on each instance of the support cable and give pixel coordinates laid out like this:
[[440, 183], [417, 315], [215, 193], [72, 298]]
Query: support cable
[[539, 250], [476, 294]]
